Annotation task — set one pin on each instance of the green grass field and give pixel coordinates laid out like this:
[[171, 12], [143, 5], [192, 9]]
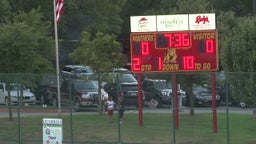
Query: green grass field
[[157, 128]]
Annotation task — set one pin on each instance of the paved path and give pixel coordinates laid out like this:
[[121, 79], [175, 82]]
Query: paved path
[[30, 112]]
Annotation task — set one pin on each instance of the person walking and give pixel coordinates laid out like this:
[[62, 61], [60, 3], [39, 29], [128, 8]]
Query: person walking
[[110, 108], [121, 108]]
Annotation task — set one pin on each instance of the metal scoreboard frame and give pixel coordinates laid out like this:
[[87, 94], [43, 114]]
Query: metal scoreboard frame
[[177, 43]]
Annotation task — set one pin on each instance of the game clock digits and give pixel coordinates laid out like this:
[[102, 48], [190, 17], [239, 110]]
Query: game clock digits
[[174, 51]]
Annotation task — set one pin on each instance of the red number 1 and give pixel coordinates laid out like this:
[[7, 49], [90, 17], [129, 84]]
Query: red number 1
[[160, 63]]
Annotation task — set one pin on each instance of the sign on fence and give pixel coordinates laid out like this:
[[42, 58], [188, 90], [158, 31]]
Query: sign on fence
[[52, 131]]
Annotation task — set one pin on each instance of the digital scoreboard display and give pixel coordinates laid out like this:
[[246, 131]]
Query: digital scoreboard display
[[182, 51]]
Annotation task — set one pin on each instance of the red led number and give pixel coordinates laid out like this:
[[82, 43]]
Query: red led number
[[188, 63], [136, 64], [178, 39], [144, 48], [206, 46], [160, 63], [209, 46]]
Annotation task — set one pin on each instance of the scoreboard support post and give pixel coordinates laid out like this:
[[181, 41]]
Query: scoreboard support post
[[214, 116], [140, 101], [175, 102]]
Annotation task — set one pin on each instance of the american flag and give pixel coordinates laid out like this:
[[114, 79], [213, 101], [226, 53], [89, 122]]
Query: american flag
[[59, 9]]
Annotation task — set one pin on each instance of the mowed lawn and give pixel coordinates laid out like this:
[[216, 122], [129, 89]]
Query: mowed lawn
[[156, 128]]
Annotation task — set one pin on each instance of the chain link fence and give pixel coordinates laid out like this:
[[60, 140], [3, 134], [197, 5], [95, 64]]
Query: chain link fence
[[158, 120]]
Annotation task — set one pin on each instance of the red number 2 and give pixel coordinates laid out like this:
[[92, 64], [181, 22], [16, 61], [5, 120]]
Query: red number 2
[[136, 64]]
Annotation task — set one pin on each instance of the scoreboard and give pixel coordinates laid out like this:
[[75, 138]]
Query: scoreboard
[[174, 51]]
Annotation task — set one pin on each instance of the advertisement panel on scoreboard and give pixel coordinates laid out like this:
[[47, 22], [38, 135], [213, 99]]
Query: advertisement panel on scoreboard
[[179, 51]]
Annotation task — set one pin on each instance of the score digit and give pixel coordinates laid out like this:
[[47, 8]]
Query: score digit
[[178, 40], [144, 48], [160, 63], [136, 64], [209, 46], [169, 37], [206, 46], [188, 62], [185, 40]]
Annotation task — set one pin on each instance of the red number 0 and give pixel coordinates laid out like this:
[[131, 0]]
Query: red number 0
[[209, 46], [144, 48]]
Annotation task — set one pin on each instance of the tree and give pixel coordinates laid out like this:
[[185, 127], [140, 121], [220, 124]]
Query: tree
[[5, 11], [25, 46], [101, 53], [238, 55]]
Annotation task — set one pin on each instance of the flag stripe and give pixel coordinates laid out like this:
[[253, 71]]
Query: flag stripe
[[59, 9]]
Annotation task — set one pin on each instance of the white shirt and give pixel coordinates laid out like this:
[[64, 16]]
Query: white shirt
[[104, 95], [110, 104]]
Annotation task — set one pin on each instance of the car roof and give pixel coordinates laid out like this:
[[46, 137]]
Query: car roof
[[76, 66], [120, 70], [155, 80]]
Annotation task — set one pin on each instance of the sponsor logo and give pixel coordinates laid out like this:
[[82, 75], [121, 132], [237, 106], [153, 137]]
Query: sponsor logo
[[202, 19]]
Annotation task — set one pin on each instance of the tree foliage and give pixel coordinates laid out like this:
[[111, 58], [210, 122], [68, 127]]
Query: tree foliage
[[5, 11], [238, 54], [238, 47], [102, 53], [25, 46]]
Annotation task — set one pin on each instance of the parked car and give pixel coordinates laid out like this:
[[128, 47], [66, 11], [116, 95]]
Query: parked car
[[76, 71], [80, 92], [160, 91], [203, 96], [15, 94], [121, 70], [221, 90], [128, 87], [41, 91]]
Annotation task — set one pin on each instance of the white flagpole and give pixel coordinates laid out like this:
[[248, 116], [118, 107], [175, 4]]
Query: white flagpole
[[57, 55]]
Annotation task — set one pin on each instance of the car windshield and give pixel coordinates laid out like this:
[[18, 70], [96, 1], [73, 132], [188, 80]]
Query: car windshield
[[85, 85], [83, 70], [162, 85], [128, 78], [199, 88]]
